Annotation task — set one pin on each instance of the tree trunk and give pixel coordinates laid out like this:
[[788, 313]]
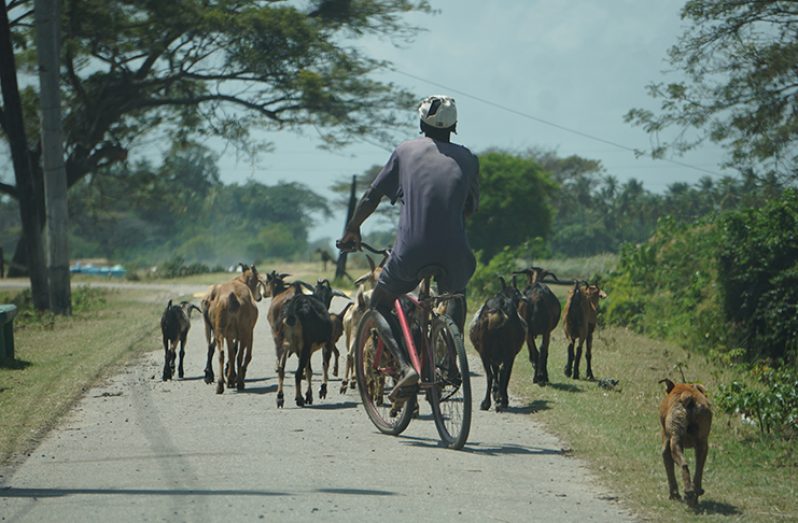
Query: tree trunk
[[25, 181], [55, 181]]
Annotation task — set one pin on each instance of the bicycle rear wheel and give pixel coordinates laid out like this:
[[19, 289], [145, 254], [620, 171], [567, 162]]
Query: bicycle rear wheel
[[450, 395], [376, 370]]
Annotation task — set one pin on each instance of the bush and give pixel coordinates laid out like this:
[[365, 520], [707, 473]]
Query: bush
[[176, 268], [758, 262], [773, 406], [485, 280], [731, 281]]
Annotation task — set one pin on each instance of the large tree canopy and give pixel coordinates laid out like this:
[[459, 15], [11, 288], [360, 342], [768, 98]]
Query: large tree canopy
[[514, 203], [741, 86], [219, 67]]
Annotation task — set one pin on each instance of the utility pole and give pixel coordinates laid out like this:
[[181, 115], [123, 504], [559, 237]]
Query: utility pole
[[340, 266], [25, 183], [48, 45]]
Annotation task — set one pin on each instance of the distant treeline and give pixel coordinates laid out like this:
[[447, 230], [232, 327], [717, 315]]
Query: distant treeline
[[535, 202]]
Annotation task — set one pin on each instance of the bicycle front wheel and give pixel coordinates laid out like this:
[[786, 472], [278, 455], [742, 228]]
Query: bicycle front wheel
[[450, 394], [377, 370]]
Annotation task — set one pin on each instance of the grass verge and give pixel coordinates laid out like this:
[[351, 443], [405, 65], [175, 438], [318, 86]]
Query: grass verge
[[747, 477], [57, 359]]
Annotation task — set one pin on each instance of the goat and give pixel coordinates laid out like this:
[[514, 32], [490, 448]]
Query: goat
[[686, 418], [324, 292], [276, 287], [498, 331], [541, 309], [304, 326], [351, 319], [369, 280], [175, 323], [232, 314], [579, 323]]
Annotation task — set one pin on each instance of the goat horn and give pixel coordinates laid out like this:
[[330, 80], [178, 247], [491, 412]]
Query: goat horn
[[371, 263]]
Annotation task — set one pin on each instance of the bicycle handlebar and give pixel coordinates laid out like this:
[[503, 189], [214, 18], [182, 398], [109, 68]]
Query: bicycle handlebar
[[350, 247]]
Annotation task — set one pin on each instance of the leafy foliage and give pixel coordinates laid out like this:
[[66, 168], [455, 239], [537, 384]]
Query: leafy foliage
[[721, 283], [514, 205], [189, 214], [739, 59], [773, 405], [758, 262]]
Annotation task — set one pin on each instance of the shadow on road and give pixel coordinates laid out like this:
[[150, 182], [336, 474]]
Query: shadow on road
[[355, 492], [11, 492], [487, 450], [265, 389], [334, 406]]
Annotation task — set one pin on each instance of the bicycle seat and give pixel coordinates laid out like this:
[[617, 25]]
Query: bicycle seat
[[431, 270]]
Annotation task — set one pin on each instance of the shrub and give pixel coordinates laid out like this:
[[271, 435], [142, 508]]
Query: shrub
[[773, 406]]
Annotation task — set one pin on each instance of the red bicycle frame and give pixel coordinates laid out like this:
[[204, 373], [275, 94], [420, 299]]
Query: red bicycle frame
[[409, 343]]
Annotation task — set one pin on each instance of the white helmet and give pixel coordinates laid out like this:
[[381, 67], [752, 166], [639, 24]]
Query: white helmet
[[438, 111]]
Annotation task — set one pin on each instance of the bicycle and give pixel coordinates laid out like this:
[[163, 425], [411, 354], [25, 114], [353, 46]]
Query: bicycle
[[435, 347]]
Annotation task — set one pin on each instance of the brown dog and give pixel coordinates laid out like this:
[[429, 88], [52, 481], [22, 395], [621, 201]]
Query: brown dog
[[686, 417]]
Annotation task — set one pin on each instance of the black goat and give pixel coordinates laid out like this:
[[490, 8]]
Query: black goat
[[175, 323], [324, 292], [541, 310], [497, 332], [304, 326]]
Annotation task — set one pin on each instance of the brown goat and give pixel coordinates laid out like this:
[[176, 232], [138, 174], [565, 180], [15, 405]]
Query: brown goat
[[232, 313], [579, 322], [686, 418], [351, 319], [280, 292]]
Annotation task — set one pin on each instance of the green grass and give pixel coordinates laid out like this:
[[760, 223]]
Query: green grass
[[747, 477], [57, 359]]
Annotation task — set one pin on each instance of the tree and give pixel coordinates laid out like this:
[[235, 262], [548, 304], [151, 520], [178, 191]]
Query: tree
[[514, 205], [222, 68], [741, 86], [27, 190]]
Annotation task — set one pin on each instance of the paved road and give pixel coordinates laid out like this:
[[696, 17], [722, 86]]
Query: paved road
[[138, 449]]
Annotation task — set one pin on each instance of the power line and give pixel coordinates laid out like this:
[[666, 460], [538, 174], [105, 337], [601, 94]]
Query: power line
[[549, 123]]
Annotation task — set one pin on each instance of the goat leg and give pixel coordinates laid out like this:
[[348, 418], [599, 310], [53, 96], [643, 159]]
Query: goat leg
[[220, 357], [485, 405], [569, 364], [541, 370], [578, 358], [209, 362], [667, 459], [589, 353], [677, 451], [309, 377], [507, 370], [701, 449], [167, 371], [182, 354], [497, 400]]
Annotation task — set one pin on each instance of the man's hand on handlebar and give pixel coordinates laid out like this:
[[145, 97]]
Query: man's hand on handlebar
[[350, 242]]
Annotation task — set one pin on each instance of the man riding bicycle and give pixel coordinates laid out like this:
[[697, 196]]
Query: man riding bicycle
[[437, 183]]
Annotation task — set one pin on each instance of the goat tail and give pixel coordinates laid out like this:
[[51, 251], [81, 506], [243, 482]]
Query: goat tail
[[233, 303]]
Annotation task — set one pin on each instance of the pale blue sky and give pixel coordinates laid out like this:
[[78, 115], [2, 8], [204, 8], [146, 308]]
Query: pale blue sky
[[580, 64]]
